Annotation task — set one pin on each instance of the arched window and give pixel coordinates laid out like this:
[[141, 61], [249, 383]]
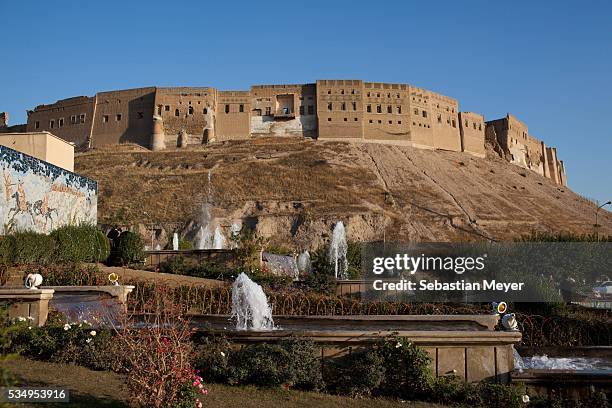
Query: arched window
[[176, 112]]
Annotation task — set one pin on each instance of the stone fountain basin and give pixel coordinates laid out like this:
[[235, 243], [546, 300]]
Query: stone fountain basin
[[462, 345], [387, 323]]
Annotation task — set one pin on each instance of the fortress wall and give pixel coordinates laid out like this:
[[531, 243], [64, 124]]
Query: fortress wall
[[443, 117], [562, 173], [340, 109], [71, 119], [523, 149], [472, 130], [350, 110], [188, 108], [553, 164], [270, 102], [232, 118], [387, 112], [124, 116]]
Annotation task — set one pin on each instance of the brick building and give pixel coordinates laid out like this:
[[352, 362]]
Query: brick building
[[343, 110]]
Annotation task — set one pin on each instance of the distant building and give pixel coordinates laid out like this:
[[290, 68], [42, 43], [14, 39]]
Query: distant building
[[341, 110], [40, 192], [42, 145]]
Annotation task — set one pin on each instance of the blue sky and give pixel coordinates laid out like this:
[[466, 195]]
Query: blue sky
[[549, 63]]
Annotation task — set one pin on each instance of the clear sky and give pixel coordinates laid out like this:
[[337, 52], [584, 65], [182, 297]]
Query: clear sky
[[547, 62]]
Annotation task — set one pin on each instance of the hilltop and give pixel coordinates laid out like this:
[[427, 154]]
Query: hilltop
[[294, 189]]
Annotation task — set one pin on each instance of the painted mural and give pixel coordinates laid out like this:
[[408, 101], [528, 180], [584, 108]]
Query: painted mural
[[38, 196]]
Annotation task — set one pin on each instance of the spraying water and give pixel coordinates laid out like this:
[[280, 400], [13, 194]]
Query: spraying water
[[250, 305], [205, 236], [175, 242], [337, 252], [218, 239], [304, 264], [559, 363]]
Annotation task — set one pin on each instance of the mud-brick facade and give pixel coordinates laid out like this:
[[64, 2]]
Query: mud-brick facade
[[511, 138], [330, 109]]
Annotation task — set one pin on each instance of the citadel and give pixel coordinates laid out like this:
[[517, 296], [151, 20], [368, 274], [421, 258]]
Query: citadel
[[335, 110]]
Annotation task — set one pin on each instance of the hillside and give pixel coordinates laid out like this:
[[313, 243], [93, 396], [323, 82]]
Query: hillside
[[294, 190]]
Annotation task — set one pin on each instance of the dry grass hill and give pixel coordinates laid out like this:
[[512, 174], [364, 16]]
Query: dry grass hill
[[294, 190]]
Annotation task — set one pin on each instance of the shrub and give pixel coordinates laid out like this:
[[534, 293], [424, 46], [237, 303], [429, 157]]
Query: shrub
[[211, 271], [83, 243], [65, 343], [185, 244], [182, 244], [70, 274], [353, 257], [321, 278], [213, 359], [407, 373], [104, 247], [175, 265], [157, 358], [278, 250], [130, 249], [7, 250], [355, 374], [31, 247], [293, 362], [248, 249], [454, 390], [268, 280]]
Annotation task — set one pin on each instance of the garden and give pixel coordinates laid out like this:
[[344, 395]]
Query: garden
[[165, 361]]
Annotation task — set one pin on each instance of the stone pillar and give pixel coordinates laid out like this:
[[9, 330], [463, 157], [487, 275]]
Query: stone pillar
[[209, 129], [562, 175], [182, 139], [28, 303], [545, 161], [158, 138]]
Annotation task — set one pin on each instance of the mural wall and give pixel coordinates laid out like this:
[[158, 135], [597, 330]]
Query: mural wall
[[38, 196]]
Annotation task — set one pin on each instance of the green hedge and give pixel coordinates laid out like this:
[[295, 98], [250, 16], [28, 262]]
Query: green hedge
[[7, 250], [129, 249], [31, 247], [82, 243]]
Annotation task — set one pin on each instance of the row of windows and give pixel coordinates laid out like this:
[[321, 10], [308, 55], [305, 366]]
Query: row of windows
[[399, 122], [398, 109], [476, 125], [330, 106], [74, 120], [388, 95], [353, 92], [105, 118], [190, 110]]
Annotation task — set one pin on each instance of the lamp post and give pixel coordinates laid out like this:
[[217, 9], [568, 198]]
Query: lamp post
[[596, 219]]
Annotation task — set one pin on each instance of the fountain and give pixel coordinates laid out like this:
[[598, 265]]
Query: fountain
[[218, 239], [250, 305], [574, 363], [337, 252], [303, 263], [175, 242], [207, 238], [569, 371]]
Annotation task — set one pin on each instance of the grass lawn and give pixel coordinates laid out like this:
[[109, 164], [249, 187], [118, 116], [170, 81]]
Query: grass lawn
[[104, 389]]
